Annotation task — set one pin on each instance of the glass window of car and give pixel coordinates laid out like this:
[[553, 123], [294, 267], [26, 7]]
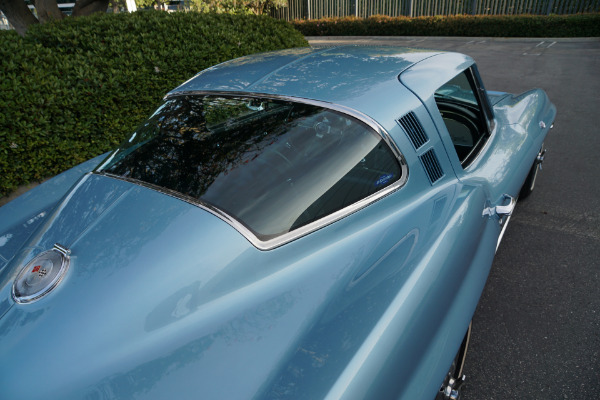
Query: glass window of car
[[272, 165], [463, 116]]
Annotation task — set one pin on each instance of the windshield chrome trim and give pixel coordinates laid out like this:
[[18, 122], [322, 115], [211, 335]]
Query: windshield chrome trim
[[303, 230]]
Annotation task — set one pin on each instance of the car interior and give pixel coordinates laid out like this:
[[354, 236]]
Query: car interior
[[461, 113]]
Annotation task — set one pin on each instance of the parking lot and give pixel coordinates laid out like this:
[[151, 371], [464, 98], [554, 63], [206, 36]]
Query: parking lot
[[537, 328]]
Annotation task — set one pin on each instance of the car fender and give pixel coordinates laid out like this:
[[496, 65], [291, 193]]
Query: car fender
[[20, 217]]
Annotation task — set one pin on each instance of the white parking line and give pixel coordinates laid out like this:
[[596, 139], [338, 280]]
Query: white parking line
[[546, 46], [476, 42]]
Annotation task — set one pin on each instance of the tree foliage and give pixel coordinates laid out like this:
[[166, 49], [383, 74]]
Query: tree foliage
[[256, 7], [73, 89], [21, 17]]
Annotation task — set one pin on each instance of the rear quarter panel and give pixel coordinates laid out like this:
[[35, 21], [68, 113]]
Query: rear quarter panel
[[20, 217]]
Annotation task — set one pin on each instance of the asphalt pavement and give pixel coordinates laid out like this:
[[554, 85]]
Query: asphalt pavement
[[536, 332]]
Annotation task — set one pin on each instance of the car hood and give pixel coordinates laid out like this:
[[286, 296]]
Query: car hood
[[163, 297]]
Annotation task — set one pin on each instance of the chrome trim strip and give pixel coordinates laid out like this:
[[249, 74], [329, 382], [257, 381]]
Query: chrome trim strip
[[504, 226], [505, 211], [249, 234], [180, 196], [318, 103], [62, 249], [484, 149], [306, 229], [486, 111]]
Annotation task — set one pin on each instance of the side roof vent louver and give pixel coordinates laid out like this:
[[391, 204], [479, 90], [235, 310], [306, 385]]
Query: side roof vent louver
[[413, 128], [432, 166]]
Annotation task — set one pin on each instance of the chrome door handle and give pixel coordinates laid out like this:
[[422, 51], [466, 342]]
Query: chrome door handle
[[501, 211], [508, 209]]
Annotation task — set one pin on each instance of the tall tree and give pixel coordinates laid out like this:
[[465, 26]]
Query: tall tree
[[87, 7], [21, 17], [18, 14], [47, 10]]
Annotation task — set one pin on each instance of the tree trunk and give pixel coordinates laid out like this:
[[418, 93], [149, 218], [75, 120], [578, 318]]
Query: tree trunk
[[117, 5], [87, 7], [47, 10], [18, 14]]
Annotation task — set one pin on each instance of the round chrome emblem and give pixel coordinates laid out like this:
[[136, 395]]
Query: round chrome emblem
[[41, 275]]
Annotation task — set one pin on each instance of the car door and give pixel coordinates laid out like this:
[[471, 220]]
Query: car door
[[483, 153], [480, 210]]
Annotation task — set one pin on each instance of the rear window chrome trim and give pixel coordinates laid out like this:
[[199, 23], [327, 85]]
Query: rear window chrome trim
[[304, 230], [318, 103], [278, 241]]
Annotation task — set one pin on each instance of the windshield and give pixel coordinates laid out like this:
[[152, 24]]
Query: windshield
[[272, 165]]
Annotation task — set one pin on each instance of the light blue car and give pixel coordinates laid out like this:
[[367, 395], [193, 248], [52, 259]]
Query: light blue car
[[303, 224]]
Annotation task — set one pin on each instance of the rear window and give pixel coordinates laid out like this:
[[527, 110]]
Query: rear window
[[272, 165]]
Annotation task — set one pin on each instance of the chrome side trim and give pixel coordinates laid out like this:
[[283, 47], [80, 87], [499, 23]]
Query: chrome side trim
[[482, 150], [504, 226], [505, 212]]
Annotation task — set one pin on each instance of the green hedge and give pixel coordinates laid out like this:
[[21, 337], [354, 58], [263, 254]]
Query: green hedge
[[74, 89], [581, 25]]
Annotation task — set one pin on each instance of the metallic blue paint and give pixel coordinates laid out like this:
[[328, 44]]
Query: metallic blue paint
[[163, 299], [21, 217]]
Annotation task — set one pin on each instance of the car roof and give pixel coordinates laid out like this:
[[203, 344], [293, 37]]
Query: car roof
[[363, 78]]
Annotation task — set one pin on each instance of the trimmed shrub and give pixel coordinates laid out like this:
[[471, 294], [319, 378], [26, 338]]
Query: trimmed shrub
[[75, 88], [581, 25]]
